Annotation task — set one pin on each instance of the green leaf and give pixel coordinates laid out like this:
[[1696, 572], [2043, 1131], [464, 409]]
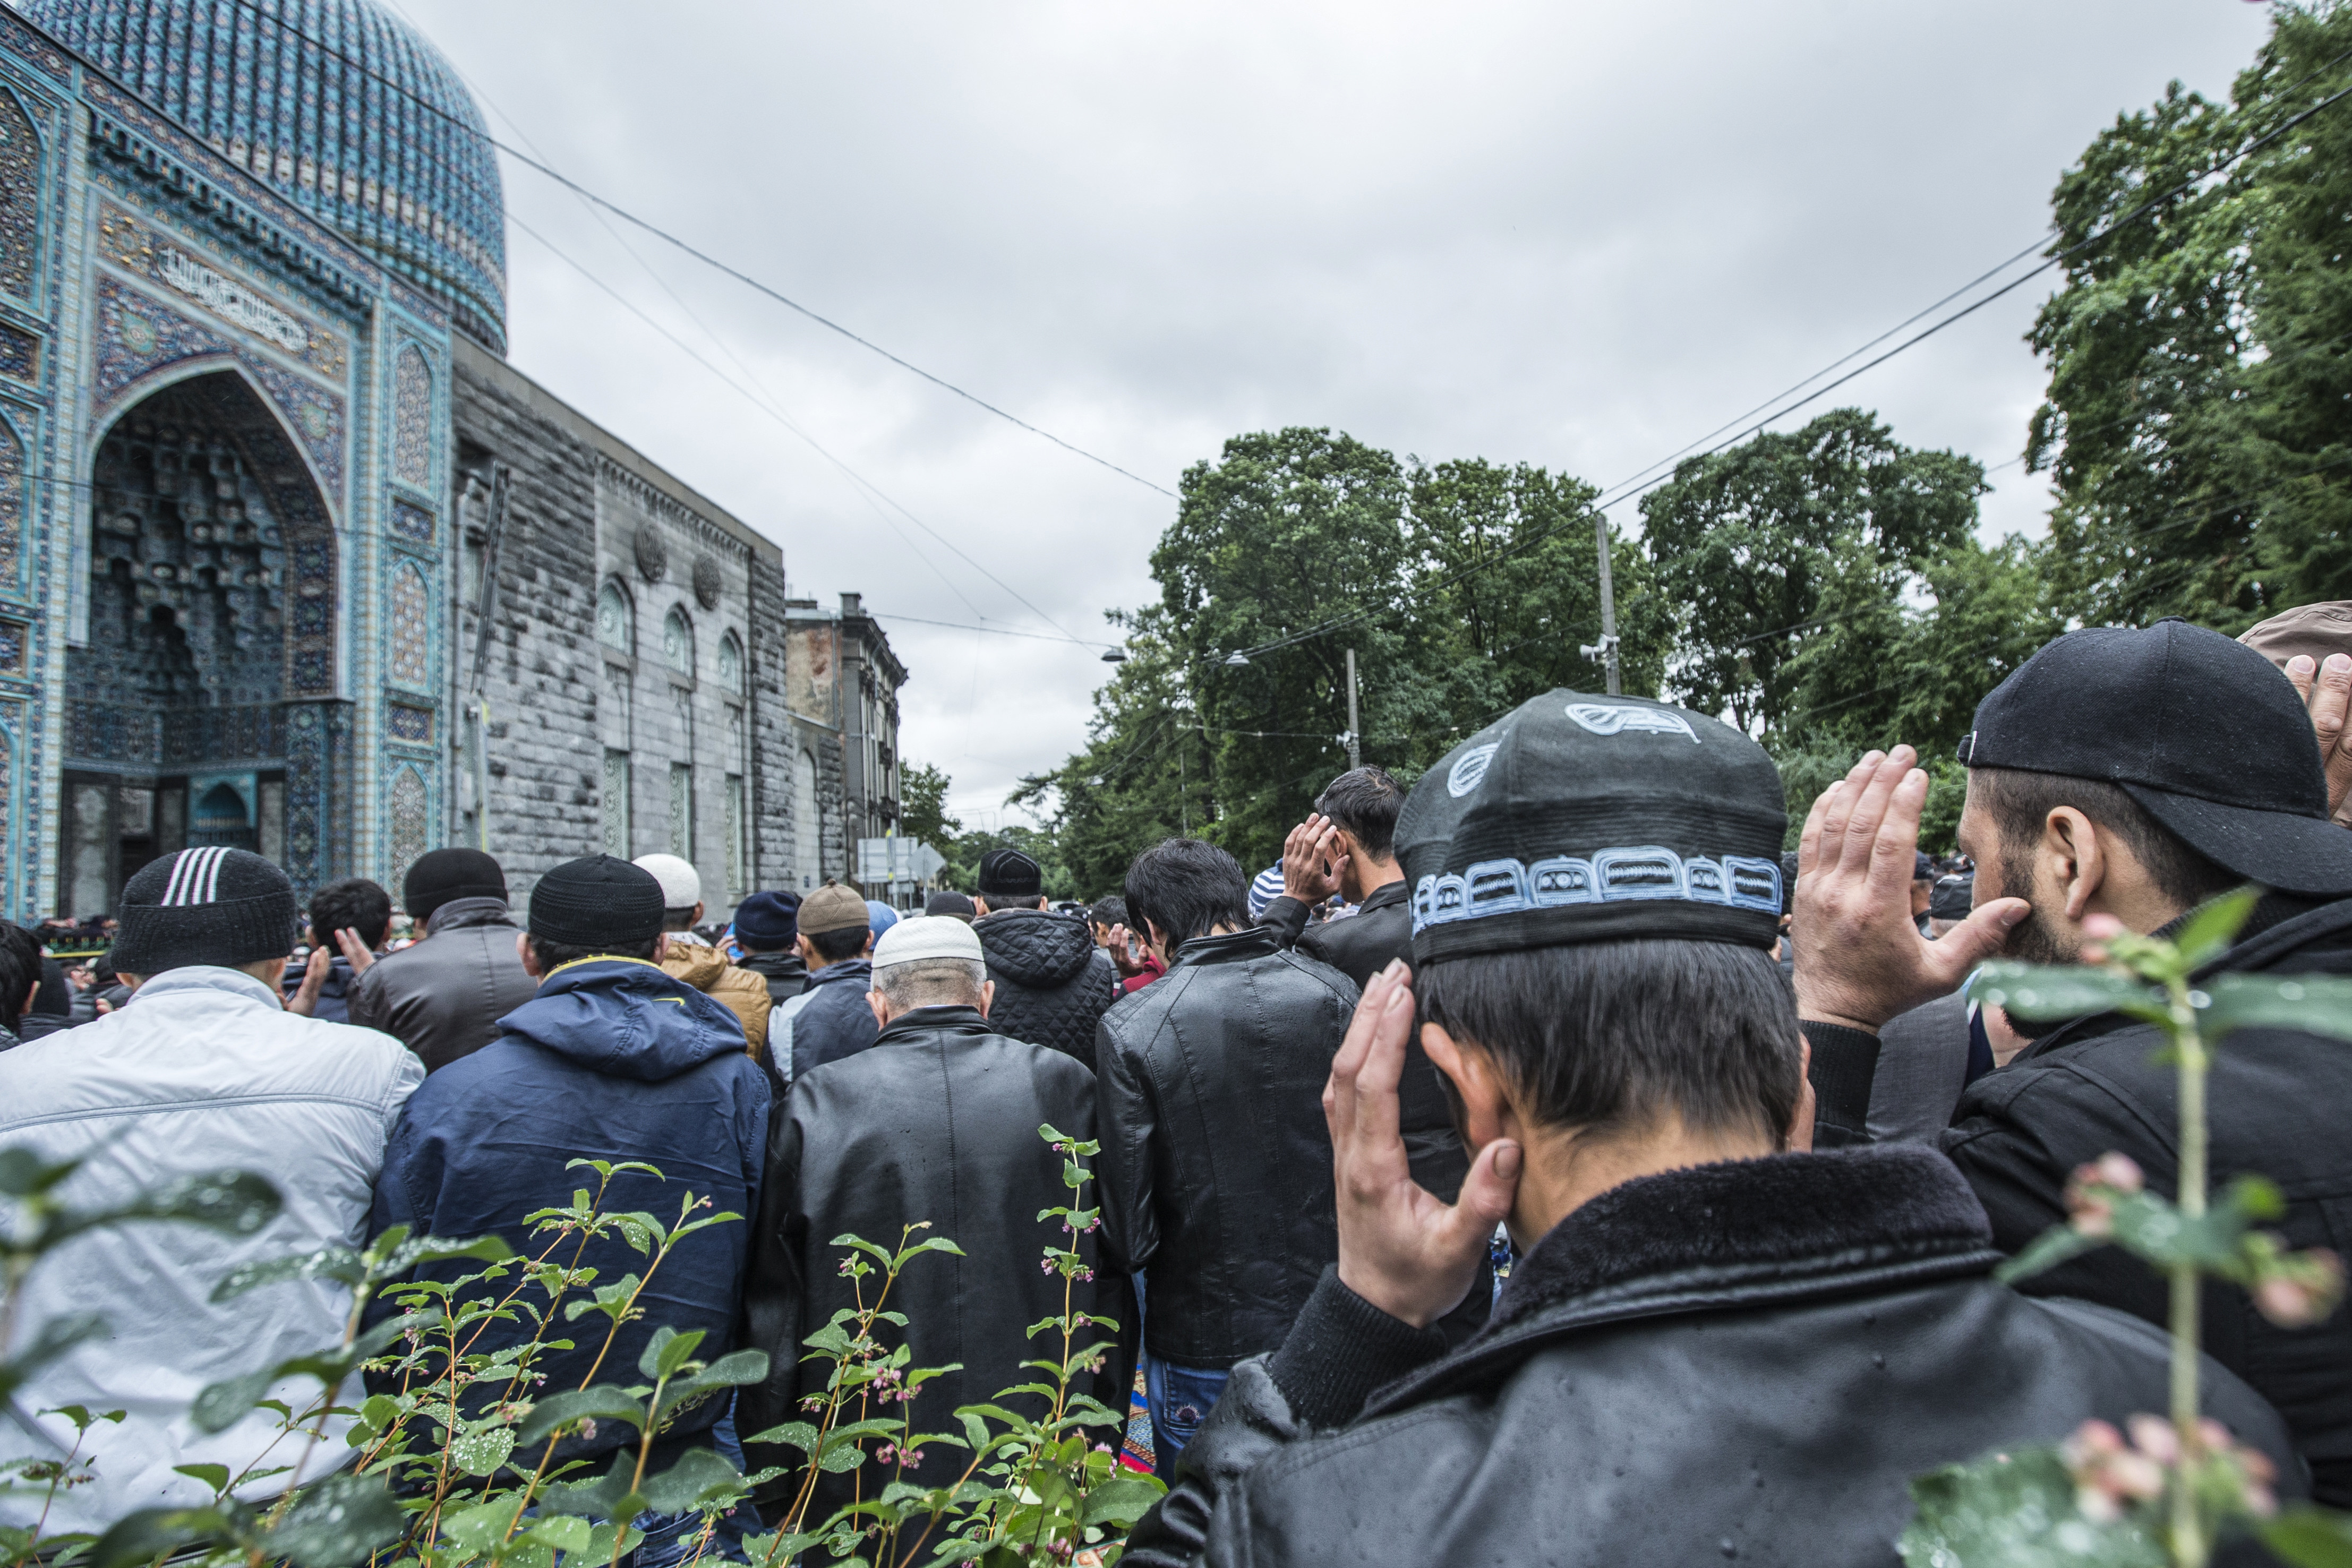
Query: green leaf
[[23, 1174], [440, 1250], [964, 1549], [214, 1476], [481, 1451], [603, 1402], [2030, 991], [147, 1534], [667, 1350], [608, 1496], [2014, 1510], [564, 1531], [2319, 1004], [2210, 930], [2310, 1538], [338, 1263], [58, 1336], [700, 1479], [484, 1525], [794, 1434], [1122, 1500], [337, 1522], [223, 1405], [235, 1201]]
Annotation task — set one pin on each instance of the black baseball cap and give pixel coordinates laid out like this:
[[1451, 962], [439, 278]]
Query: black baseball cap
[[1954, 898], [1578, 819], [2204, 732]]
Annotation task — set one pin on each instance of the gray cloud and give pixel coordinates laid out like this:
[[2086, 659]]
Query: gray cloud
[[1579, 236]]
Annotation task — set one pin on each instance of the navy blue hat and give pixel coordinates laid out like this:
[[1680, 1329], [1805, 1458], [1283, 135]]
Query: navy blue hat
[[768, 921]]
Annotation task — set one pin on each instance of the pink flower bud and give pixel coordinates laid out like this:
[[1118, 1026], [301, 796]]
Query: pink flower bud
[[2154, 1435], [2290, 1303], [2120, 1170]]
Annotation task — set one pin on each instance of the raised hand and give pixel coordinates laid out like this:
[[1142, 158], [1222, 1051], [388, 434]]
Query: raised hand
[[1860, 960], [360, 954], [315, 970], [2326, 693], [1401, 1249], [1310, 861]]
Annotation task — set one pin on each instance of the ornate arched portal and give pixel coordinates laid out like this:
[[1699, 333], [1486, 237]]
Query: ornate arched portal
[[201, 708]]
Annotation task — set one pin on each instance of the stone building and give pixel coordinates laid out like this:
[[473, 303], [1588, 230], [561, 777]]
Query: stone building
[[291, 559]]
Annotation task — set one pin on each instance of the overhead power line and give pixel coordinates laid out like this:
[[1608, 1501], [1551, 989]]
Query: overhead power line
[[253, 8]]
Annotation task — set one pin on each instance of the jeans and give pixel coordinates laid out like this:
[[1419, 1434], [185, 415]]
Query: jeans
[[1181, 1399], [670, 1538]]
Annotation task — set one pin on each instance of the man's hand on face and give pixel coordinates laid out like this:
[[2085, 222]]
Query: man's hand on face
[[1860, 960], [2326, 692], [1401, 1248], [1310, 861]]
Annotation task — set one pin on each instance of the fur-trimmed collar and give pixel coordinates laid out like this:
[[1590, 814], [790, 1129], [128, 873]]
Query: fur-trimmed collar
[[1751, 1218], [1745, 1234]]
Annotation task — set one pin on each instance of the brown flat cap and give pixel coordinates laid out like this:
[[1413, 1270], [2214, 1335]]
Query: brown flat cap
[[832, 908], [2316, 630]]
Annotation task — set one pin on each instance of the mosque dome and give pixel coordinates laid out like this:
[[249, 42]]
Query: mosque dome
[[346, 110]]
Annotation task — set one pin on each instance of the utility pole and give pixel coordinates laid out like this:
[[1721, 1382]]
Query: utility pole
[[1606, 649], [1355, 741]]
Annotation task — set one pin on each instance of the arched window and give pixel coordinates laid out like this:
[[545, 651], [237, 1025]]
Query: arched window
[[731, 664], [617, 623], [677, 643]]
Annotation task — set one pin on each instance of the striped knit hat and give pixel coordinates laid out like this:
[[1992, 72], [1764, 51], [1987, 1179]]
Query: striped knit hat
[[1263, 889], [219, 906]]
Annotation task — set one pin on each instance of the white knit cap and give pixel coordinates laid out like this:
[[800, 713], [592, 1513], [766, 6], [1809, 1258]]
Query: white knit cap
[[922, 937], [681, 884]]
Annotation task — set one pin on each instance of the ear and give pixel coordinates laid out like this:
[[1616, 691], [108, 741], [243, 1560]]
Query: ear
[[2076, 851], [867, 951], [661, 947], [699, 907], [1343, 843], [1486, 1111], [529, 959], [873, 999], [987, 997]]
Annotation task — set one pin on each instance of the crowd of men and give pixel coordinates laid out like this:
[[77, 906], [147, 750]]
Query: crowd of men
[[1754, 1156]]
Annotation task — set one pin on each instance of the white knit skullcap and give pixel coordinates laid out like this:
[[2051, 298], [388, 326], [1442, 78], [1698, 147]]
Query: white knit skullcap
[[922, 937], [681, 884]]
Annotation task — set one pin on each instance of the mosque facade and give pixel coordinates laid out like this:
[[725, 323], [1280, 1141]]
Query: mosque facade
[[291, 559]]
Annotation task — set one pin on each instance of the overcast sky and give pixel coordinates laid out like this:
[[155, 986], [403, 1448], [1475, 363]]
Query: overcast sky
[[1578, 235]]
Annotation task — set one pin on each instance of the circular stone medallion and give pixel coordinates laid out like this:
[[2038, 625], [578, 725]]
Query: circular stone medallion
[[652, 554], [707, 582]]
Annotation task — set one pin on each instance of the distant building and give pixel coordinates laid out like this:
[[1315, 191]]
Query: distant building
[[290, 557]]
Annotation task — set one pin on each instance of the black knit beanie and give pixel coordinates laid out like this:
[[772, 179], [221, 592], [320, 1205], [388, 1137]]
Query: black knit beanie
[[443, 876], [598, 902], [215, 905]]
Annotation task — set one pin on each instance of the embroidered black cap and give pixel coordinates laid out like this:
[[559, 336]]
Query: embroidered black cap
[[2204, 732], [1009, 873], [1591, 818], [213, 906]]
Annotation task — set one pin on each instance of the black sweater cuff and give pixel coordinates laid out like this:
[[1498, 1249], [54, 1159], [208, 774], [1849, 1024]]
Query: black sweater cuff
[[1341, 1348], [1844, 1062]]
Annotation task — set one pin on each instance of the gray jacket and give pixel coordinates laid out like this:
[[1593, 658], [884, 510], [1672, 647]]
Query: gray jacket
[[442, 997]]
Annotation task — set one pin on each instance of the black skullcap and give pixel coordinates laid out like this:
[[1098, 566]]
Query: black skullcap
[[2203, 732], [443, 876], [598, 902], [1954, 897], [1584, 818], [952, 904], [212, 906], [1009, 873], [768, 922]]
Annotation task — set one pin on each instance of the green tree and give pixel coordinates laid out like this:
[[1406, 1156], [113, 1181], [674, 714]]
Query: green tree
[[923, 807], [1789, 557], [2198, 425]]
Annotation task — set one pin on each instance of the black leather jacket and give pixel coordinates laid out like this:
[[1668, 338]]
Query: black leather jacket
[[1216, 1163], [936, 1121], [442, 997], [1360, 946], [1051, 982], [1741, 1362]]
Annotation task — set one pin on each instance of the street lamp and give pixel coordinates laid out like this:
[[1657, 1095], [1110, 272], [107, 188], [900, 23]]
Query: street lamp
[[1236, 660], [1115, 656]]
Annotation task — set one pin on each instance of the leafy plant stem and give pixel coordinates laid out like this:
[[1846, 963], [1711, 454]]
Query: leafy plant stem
[[2189, 1545]]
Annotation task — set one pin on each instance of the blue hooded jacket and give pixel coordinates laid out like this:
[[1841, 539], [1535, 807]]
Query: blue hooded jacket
[[613, 1060]]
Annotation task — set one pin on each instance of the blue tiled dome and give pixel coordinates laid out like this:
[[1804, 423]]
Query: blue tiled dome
[[344, 109]]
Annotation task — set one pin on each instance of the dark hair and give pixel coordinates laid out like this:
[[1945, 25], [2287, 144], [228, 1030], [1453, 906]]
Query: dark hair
[[1187, 888], [20, 971], [1613, 1035], [2020, 803], [1111, 911], [1365, 800], [353, 904], [678, 919], [1015, 900], [553, 956], [847, 942]]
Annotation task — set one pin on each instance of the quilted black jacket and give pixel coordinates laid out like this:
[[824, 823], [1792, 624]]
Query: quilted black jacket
[[1051, 982], [1216, 1163], [1736, 1363]]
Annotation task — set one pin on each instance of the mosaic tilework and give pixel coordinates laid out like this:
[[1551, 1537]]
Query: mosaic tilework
[[14, 637], [404, 827], [412, 725], [411, 619], [12, 725], [411, 419], [147, 251], [20, 198], [20, 354], [373, 133], [412, 522], [137, 335], [12, 510]]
